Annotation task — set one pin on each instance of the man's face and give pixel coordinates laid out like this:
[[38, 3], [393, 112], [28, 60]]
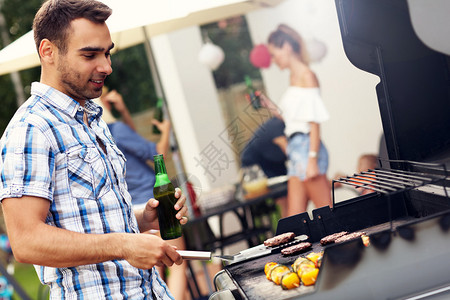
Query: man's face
[[82, 70]]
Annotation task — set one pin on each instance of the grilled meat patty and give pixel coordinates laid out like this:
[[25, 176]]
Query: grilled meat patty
[[295, 248], [279, 239]]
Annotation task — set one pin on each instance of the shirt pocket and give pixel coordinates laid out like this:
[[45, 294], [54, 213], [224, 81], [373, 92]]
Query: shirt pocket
[[87, 173], [118, 162]]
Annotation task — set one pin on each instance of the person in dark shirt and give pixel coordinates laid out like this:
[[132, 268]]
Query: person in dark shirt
[[266, 148]]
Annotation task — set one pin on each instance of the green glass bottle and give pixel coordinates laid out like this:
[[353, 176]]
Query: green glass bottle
[[158, 114], [164, 192], [252, 94]]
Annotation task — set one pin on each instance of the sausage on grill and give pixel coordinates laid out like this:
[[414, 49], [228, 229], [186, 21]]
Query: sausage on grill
[[332, 237], [350, 236], [296, 248]]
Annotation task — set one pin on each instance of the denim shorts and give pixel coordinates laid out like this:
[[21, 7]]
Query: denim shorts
[[297, 150]]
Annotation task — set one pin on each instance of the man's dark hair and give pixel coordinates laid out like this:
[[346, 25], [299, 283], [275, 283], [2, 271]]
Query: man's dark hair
[[52, 21]]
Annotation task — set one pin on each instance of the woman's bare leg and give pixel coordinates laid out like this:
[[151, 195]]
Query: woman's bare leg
[[297, 200], [282, 203], [319, 191]]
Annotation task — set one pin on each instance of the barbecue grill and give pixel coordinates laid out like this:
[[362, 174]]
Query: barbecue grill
[[407, 215]]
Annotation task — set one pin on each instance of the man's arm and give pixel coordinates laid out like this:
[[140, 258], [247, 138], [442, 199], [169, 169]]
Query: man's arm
[[163, 145], [35, 242], [281, 142]]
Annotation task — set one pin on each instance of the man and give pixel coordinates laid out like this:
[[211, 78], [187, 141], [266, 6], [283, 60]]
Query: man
[[140, 176], [62, 184]]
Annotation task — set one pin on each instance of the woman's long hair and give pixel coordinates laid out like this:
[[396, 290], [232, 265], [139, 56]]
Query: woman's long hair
[[285, 34]]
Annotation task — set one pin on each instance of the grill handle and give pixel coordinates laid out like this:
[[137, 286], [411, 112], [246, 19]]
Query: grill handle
[[195, 255]]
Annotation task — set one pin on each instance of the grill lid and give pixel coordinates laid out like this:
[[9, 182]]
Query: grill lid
[[414, 89]]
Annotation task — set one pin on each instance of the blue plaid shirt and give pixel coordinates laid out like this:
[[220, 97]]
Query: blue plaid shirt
[[47, 151]]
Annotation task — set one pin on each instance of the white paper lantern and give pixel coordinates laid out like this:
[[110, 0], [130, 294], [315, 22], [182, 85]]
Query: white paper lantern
[[316, 49], [211, 55]]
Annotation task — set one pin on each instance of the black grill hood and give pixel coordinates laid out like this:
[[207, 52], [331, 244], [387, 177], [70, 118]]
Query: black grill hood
[[414, 89]]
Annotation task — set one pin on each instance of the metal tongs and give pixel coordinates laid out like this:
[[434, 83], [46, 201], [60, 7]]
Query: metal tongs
[[256, 251]]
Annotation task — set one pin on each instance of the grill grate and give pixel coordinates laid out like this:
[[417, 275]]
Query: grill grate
[[389, 181], [402, 176]]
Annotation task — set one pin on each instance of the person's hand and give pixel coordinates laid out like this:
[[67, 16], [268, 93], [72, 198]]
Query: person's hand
[[264, 100], [150, 213], [163, 126], [312, 170], [145, 250], [115, 99], [269, 105]]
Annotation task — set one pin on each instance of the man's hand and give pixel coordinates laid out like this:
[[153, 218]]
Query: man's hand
[[163, 126], [145, 250], [115, 99], [150, 214]]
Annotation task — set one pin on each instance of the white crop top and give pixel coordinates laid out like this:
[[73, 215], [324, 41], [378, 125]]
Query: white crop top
[[299, 106]]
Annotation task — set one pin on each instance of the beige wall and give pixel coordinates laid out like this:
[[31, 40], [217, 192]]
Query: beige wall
[[194, 107]]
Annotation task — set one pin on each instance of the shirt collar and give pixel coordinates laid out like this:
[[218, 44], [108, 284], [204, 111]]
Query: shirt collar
[[63, 102], [93, 110]]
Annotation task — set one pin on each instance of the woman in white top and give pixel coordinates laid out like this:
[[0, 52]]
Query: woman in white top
[[302, 110]]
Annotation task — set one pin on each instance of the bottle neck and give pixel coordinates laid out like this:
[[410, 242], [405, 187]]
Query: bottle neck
[[248, 81], [159, 103], [250, 88], [161, 177]]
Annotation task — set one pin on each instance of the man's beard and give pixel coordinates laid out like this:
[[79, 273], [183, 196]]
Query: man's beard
[[72, 82]]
